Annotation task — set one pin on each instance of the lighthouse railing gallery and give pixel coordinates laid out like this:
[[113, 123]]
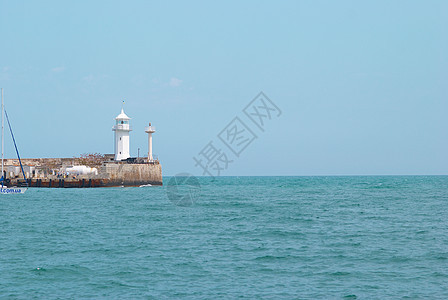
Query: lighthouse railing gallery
[[122, 127]]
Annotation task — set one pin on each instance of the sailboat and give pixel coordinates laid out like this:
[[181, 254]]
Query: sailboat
[[4, 189]]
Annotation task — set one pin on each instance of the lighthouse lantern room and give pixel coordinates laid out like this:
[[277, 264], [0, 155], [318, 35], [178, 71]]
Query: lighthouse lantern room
[[122, 130]]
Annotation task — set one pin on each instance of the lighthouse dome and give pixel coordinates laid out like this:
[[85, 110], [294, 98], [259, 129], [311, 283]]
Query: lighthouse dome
[[122, 116]]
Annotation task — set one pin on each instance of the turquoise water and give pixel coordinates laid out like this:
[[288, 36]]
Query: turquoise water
[[245, 237]]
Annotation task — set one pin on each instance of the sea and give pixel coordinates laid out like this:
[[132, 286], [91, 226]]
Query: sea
[[353, 237]]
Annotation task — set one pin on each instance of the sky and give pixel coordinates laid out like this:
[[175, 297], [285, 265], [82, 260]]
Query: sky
[[360, 86]]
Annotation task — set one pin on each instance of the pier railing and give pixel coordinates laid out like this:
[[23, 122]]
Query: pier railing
[[142, 160]]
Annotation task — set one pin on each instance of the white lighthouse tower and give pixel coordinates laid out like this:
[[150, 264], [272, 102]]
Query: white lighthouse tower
[[122, 130], [150, 130]]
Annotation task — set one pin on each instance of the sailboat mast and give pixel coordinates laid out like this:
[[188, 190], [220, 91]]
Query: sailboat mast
[[3, 140]]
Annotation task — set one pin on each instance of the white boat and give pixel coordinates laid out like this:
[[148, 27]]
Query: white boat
[[3, 188], [13, 190]]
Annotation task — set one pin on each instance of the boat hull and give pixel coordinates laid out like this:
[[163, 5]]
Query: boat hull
[[13, 190]]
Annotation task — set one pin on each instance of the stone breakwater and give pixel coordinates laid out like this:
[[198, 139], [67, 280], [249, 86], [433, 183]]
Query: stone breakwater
[[50, 172]]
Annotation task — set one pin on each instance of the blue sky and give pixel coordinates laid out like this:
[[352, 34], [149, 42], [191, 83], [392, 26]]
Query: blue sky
[[362, 86]]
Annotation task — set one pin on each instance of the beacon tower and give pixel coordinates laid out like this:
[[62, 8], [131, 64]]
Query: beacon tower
[[122, 130], [150, 130]]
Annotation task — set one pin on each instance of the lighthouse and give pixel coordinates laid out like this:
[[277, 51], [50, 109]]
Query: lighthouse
[[122, 130], [150, 130]]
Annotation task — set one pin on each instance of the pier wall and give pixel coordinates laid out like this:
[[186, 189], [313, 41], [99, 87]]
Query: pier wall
[[48, 172], [132, 174]]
